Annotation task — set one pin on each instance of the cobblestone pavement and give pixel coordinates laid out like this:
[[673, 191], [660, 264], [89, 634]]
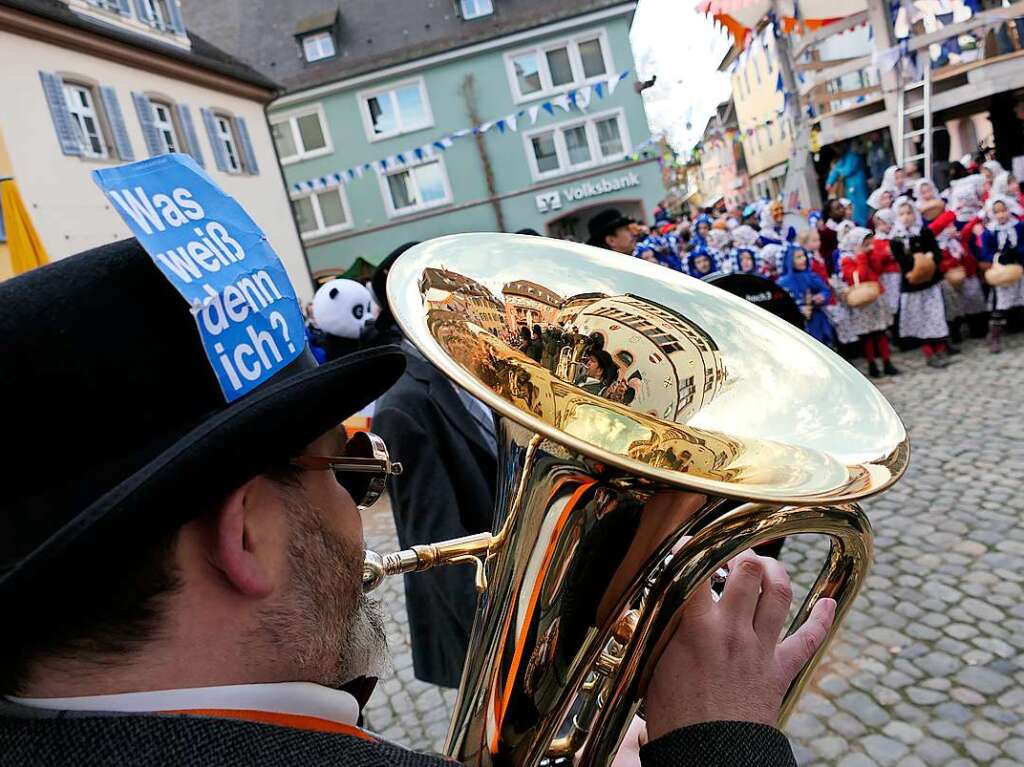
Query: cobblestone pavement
[[927, 669]]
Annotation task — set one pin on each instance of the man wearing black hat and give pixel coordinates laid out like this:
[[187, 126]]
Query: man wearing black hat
[[610, 229], [180, 577]]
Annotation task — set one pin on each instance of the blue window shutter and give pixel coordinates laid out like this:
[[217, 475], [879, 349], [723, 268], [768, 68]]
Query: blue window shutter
[[177, 22], [149, 132], [124, 7], [218, 149], [142, 11], [185, 118], [248, 153], [122, 143], [67, 132]]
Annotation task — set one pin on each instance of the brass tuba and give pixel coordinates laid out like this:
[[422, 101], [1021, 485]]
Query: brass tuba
[[759, 431]]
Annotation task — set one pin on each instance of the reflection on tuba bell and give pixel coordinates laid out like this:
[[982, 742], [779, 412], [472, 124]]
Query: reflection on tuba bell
[[760, 432]]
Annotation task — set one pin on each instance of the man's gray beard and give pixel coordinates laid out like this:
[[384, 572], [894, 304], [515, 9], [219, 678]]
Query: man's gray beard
[[333, 632]]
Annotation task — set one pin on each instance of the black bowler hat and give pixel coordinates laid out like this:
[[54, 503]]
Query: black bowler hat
[[114, 422], [603, 224]]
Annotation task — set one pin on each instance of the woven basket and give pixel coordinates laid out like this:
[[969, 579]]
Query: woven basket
[[862, 293], [1000, 275], [923, 271], [956, 276]]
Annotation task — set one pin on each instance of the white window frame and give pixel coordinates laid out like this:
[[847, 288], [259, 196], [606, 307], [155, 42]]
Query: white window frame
[[292, 118], [318, 215], [162, 127], [575, 61], [562, 152], [318, 37], [79, 113], [385, 190], [156, 16], [488, 4], [234, 156], [363, 97]]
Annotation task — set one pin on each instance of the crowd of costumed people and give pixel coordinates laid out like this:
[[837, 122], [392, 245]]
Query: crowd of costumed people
[[922, 265]]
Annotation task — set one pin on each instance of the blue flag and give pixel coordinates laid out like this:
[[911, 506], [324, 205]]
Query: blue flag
[[219, 260]]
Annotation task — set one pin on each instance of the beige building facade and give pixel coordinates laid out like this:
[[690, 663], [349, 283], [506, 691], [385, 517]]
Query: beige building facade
[[88, 86], [767, 139]]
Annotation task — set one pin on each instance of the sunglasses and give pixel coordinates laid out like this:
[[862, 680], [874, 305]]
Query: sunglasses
[[363, 471]]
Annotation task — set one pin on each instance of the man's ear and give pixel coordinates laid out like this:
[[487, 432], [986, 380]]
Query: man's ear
[[245, 543]]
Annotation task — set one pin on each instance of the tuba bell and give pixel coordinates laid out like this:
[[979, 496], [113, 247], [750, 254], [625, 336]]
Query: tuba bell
[[718, 428]]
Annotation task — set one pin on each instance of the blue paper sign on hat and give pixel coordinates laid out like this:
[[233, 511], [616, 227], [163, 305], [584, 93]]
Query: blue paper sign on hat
[[216, 256]]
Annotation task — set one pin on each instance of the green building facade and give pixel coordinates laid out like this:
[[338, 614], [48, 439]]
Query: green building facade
[[388, 156]]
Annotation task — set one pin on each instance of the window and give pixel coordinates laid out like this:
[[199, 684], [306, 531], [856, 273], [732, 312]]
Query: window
[[401, 109], [576, 145], [416, 188], [159, 13], [543, 70], [318, 46], [226, 138], [164, 124], [82, 107], [322, 212], [300, 135], [474, 9]]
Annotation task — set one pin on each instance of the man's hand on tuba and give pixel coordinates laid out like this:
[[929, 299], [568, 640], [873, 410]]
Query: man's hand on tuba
[[725, 661]]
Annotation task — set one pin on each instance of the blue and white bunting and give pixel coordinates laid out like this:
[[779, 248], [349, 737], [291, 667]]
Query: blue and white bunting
[[575, 98]]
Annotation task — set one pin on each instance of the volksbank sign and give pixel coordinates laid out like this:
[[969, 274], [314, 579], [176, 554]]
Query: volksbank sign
[[553, 200]]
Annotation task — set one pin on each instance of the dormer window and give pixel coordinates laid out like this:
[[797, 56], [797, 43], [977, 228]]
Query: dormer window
[[318, 46], [474, 9], [164, 15]]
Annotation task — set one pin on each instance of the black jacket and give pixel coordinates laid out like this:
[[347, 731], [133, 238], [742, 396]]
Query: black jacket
[[446, 490], [140, 740], [924, 242]]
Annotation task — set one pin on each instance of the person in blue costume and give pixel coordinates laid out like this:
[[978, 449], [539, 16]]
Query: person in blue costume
[[851, 170], [745, 261], [702, 264], [773, 230], [701, 226], [810, 292], [659, 250]]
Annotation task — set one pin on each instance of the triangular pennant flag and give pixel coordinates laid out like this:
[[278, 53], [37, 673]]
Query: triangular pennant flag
[[599, 90], [446, 142], [623, 74], [418, 153], [383, 163], [533, 111], [486, 126], [547, 107], [583, 97], [562, 102], [613, 83], [438, 145], [512, 121], [400, 158], [500, 124], [462, 132], [337, 178], [778, 83]]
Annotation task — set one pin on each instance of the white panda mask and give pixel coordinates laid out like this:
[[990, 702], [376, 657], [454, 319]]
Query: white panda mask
[[342, 308]]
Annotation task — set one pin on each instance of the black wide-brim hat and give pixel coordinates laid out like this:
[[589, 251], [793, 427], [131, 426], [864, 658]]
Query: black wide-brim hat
[[114, 423], [603, 224]]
